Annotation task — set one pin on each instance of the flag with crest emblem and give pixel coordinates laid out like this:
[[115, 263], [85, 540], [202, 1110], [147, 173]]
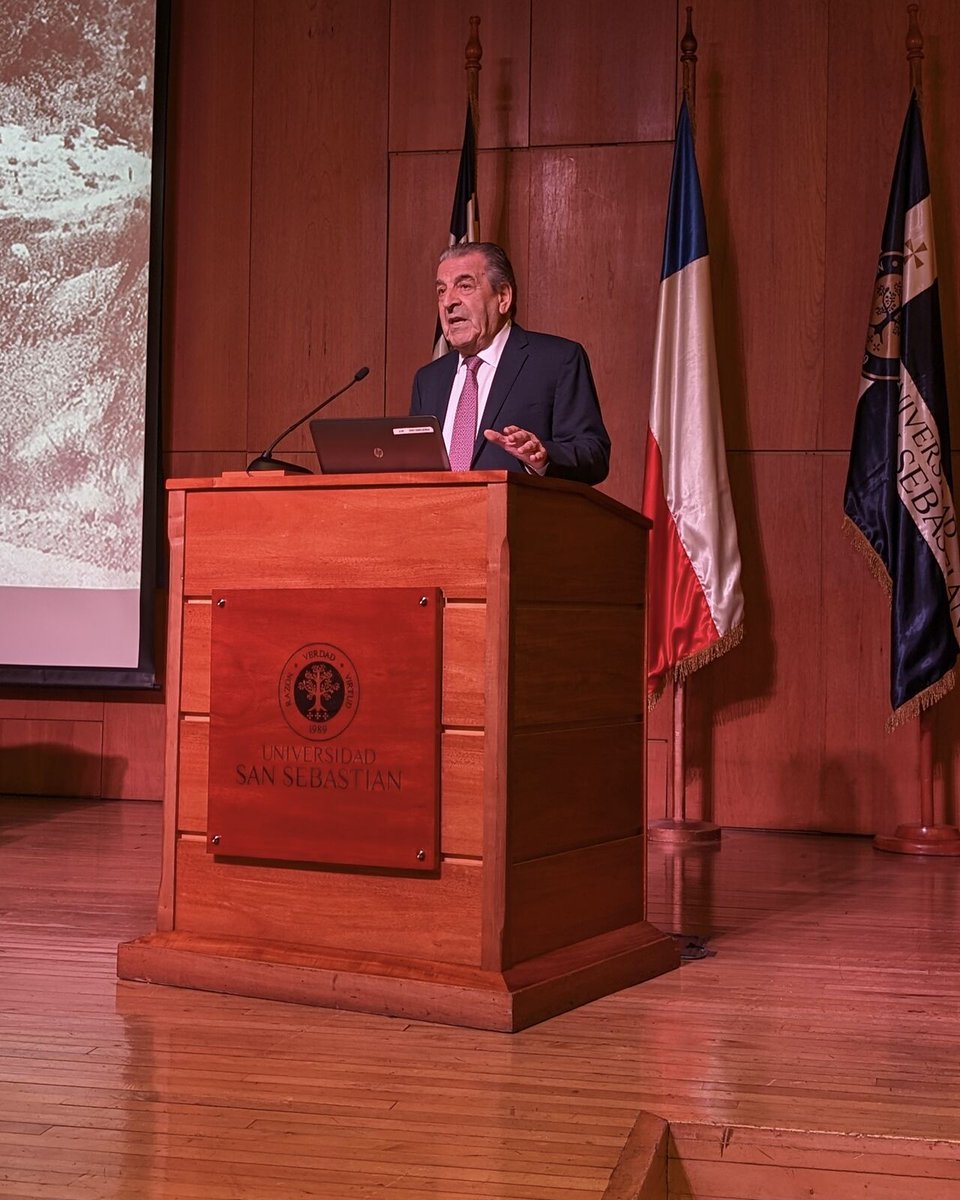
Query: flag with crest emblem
[[898, 498]]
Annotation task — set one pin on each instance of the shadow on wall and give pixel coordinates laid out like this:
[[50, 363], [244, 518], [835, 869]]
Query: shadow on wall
[[53, 769]]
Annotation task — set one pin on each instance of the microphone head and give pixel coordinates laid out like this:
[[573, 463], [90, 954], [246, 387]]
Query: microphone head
[[362, 374]]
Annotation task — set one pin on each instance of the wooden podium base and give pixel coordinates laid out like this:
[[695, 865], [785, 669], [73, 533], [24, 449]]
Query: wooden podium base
[[921, 839], [683, 832], [447, 994]]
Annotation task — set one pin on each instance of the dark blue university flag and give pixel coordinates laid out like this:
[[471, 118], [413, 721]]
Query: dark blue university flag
[[899, 484]]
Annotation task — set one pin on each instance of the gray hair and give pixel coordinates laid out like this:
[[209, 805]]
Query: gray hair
[[498, 267]]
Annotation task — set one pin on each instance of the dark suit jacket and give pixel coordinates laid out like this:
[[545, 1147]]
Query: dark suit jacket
[[543, 383]]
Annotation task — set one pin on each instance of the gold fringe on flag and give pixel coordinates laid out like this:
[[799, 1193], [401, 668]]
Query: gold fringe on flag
[[936, 691], [693, 662], [926, 699], [875, 563]]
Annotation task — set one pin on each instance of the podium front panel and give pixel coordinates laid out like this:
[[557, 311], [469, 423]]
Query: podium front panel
[[324, 726]]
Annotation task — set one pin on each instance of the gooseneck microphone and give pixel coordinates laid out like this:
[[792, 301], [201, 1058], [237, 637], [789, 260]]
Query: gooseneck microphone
[[266, 461]]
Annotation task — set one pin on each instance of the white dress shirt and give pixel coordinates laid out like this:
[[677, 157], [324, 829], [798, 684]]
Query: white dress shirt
[[489, 361]]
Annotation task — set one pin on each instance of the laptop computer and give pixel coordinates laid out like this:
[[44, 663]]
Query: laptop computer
[[355, 445]]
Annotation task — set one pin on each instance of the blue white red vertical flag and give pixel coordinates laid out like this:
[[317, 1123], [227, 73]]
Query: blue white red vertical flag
[[465, 216], [898, 499], [694, 596]]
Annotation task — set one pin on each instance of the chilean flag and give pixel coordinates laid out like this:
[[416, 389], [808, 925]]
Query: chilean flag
[[695, 602]]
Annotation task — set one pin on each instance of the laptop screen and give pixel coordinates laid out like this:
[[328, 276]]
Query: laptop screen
[[356, 445]]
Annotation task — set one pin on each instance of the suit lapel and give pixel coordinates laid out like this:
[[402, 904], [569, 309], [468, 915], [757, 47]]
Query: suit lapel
[[511, 360]]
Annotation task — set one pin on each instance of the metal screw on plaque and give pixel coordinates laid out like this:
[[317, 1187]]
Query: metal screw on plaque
[[421, 855], [221, 603], [424, 602], [215, 839]]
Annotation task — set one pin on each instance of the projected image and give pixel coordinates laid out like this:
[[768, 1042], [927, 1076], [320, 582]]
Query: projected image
[[76, 105]]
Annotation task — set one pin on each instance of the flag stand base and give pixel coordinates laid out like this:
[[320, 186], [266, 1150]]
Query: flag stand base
[[676, 830], [683, 832], [921, 839]]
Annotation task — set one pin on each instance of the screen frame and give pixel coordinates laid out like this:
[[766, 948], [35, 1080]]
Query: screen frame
[[144, 676]]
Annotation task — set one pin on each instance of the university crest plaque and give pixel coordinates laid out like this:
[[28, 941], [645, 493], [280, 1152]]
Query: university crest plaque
[[325, 726]]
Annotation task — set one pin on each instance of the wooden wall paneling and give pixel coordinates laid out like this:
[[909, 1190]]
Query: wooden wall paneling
[[864, 121], [793, 250], [761, 151], [318, 212], [660, 717], [596, 245], [428, 82], [869, 776], [50, 757], [133, 748], [657, 800], [940, 24], [503, 182], [424, 917], [659, 726], [946, 726], [208, 225], [421, 196], [754, 717], [51, 742], [602, 72], [190, 464], [52, 705], [946, 788]]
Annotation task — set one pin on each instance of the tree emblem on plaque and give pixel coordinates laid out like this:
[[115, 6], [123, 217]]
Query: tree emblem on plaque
[[319, 691]]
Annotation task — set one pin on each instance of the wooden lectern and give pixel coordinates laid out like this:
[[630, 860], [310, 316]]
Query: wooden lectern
[[405, 747]]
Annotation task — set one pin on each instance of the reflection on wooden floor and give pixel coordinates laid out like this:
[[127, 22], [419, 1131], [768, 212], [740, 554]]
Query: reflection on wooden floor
[[829, 1003]]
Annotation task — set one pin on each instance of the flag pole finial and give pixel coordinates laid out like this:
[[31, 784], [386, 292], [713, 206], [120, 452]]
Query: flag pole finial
[[915, 49], [688, 57], [472, 65]]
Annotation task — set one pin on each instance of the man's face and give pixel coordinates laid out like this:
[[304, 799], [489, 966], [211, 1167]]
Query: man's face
[[471, 312]]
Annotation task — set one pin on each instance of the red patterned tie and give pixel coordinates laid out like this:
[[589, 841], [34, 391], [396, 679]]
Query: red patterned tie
[[465, 421]]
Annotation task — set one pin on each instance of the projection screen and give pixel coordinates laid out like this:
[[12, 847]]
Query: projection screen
[[80, 190]]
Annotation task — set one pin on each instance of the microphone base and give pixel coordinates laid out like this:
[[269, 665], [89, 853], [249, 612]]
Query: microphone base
[[277, 464]]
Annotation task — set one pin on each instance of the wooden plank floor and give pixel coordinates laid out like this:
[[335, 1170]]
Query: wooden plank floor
[[830, 1003]]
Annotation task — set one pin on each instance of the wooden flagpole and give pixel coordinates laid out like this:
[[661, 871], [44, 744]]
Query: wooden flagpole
[[676, 828], [926, 837], [471, 215], [474, 53]]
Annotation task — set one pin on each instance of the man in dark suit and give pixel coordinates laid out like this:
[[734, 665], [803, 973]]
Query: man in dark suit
[[526, 401]]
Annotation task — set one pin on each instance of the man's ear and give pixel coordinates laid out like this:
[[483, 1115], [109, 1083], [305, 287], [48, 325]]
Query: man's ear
[[505, 297]]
